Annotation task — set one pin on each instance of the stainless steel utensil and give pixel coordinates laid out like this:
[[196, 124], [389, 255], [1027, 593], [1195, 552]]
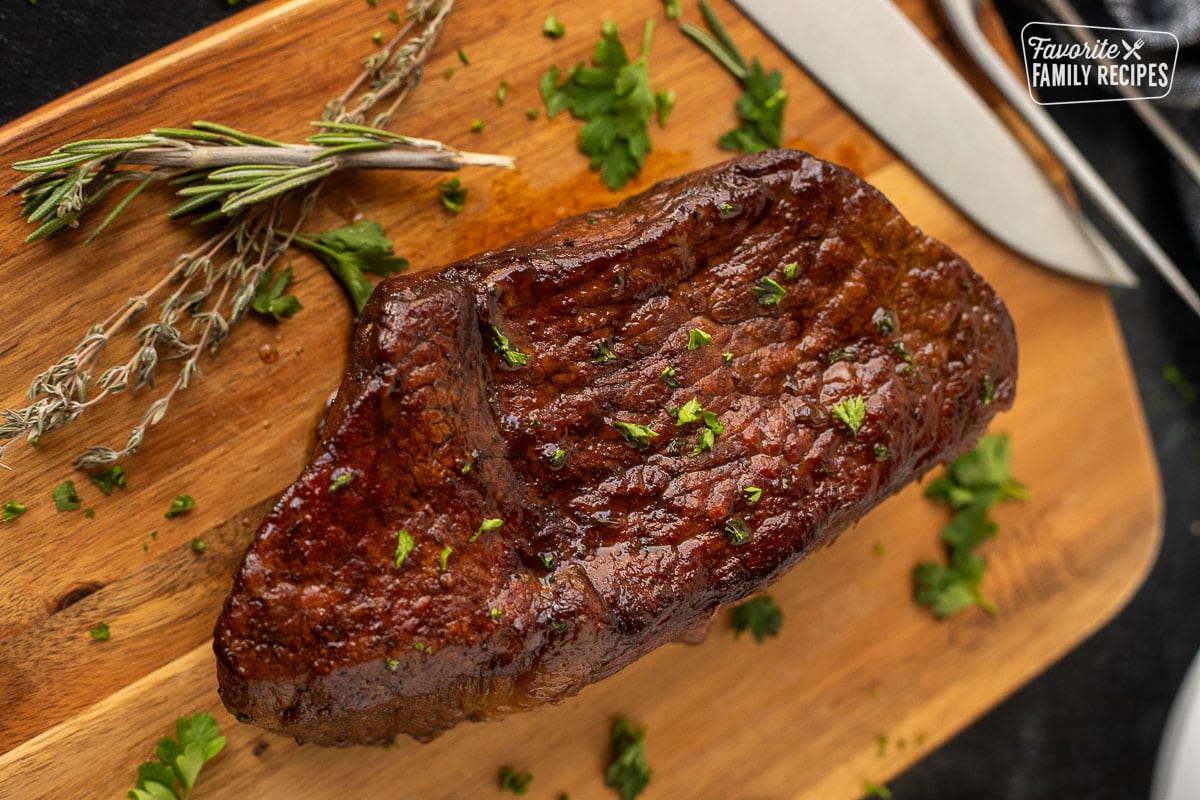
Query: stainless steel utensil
[[868, 54], [960, 16]]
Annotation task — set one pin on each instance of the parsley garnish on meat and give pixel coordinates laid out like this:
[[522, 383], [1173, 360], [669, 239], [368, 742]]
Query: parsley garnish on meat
[[486, 526], [698, 338], [971, 485], [636, 435], [768, 292], [511, 355], [628, 771], [615, 100], [404, 546], [760, 108], [760, 616], [852, 412], [173, 774]]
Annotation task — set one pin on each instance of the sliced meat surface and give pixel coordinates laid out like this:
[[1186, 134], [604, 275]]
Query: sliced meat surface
[[549, 459]]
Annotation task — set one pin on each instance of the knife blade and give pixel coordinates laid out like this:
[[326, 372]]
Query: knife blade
[[878, 64]]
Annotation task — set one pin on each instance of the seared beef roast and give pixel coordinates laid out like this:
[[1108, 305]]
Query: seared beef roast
[[547, 460]]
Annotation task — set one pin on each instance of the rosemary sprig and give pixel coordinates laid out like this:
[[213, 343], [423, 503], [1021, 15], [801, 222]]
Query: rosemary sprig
[[260, 190]]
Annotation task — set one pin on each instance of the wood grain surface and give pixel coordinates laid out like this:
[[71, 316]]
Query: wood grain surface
[[799, 716]]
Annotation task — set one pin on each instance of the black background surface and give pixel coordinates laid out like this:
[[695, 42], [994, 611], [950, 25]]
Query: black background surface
[[1087, 728]]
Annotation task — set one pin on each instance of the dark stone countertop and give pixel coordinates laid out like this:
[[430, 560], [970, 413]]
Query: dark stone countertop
[[1090, 726]]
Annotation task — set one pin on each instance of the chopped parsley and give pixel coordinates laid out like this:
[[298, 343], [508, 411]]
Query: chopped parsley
[[462, 56], [477, 125], [877, 790], [691, 411], [394, 17], [970, 486], [987, 390], [109, 479], [851, 412], [698, 338], [901, 350], [100, 633], [444, 557], [615, 100], [65, 497], [392, 664], [495, 613], [635, 435], [752, 494], [841, 354], [340, 478], [885, 320], [882, 452], [404, 546], [668, 376], [672, 8], [501, 92], [11, 510], [198, 546], [628, 771], [768, 292], [514, 782], [486, 526], [790, 269], [727, 358], [760, 616], [558, 457], [511, 355], [173, 774], [553, 28], [602, 353], [705, 440], [453, 195], [760, 108], [737, 531]]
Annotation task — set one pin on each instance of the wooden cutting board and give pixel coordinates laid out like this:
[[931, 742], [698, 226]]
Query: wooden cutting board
[[800, 716]]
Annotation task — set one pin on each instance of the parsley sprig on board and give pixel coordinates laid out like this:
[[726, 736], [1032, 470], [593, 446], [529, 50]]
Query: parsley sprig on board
[[971, 485], [616, 102], [760, 108], [173, 773]]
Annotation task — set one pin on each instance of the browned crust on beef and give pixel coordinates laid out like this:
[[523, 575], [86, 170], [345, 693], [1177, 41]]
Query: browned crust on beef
[[618, 549]]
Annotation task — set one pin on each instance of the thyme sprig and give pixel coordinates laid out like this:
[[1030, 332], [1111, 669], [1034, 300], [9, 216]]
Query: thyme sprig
[[261, 192]]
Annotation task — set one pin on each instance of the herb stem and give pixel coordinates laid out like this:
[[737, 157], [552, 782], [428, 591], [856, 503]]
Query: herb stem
[[207, 157]]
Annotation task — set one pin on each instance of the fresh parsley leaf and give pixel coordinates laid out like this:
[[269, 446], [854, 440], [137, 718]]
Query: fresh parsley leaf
[[453, 195], [269, 298], [404, 546], [737, 530], [971, 485], [877, 790], [768, 292], [672, 8], [11, 510], [752, 494], [515, 782], [760, 616], [179, 761], [350, 252], [486, 526], [760, 107], [444, 557], [109, 479], [614, 99], [635, 435], [553, 28], [100, 633], [852, 412], [628, 771], [340, 478], [690, 411], [698, 338], [198, 546], [182, 504], [65, 497], [511, 355]]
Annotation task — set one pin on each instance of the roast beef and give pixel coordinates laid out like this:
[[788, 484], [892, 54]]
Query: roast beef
[[547, 460]]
